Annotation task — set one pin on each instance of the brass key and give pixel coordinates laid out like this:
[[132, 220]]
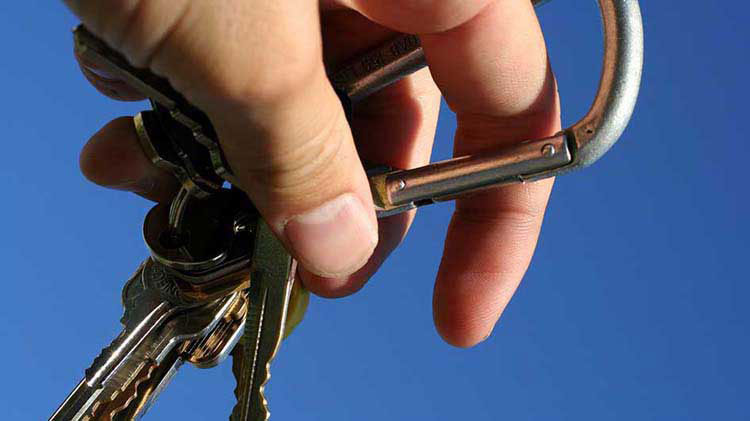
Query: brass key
[[271, 282]]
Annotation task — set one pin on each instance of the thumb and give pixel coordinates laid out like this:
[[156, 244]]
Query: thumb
[[297, 161], [256, 69]]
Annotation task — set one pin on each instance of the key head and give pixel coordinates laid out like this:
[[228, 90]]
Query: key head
[[215, 347], [110, 374]]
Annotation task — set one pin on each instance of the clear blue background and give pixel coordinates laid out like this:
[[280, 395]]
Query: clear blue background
[[635, 306]]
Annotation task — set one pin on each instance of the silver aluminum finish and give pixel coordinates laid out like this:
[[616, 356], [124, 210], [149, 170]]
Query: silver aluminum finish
[[226, 348], [620, 82], [444, 180]]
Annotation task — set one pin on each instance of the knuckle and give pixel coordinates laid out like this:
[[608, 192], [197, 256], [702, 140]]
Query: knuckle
[[211, 53], [303, 172], [149, 28], [107, 18], [136, 28], [307, 166], [258, 79]]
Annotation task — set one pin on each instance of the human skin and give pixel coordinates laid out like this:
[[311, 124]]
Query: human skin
[[258, 69]]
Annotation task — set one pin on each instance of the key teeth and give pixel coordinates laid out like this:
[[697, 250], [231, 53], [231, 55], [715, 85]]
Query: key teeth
[[102, 358], [106, 352], [239, 366], [121, 399], [262, 391], [262, 394]]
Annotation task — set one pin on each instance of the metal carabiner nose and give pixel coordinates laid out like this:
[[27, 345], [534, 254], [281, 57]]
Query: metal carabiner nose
[[576, 147]]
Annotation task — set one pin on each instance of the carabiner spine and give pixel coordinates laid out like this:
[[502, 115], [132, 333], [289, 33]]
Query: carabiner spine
[[619, 84]]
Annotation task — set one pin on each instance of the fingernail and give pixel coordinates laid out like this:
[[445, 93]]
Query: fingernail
[[334, 239], [102, 74], [141, 186], [492, 329]]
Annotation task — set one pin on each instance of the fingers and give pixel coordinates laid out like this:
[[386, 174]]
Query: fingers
[[256, 69], [489, 60], [505, 92], [475, 283], [106, 83], [113, 158], [419, 16]]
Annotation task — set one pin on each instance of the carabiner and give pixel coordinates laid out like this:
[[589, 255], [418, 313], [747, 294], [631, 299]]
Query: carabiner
[[576, 147]]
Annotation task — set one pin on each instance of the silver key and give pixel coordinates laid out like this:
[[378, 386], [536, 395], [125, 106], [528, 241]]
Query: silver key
[[271, 284], [155, 324]]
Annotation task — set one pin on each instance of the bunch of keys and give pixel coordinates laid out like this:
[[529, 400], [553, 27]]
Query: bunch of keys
[[218, 282]]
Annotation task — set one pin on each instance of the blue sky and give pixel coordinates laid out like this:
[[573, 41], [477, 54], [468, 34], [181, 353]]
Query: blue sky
[[635, 307]]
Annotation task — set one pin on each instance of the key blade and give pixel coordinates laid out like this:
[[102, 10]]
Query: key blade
[[129, 373], [270, 289], [91, 389], [88, 403], [76, 403]]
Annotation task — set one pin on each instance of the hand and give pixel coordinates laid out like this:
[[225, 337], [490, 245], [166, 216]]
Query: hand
[[258, 69]]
